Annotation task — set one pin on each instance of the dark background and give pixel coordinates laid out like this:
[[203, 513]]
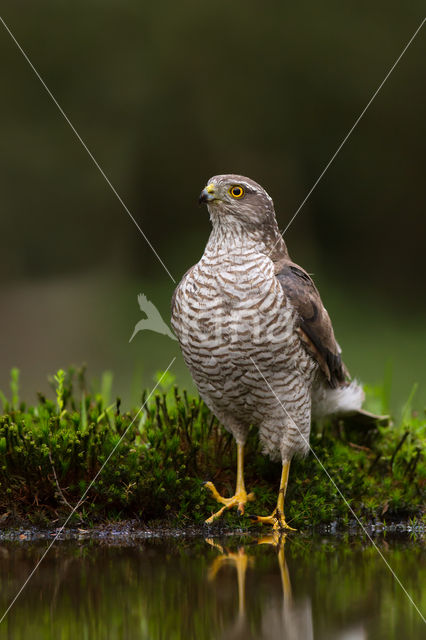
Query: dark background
[[167, 94]]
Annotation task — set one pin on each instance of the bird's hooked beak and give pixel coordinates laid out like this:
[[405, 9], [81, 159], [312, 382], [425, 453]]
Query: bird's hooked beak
[[207, 194]]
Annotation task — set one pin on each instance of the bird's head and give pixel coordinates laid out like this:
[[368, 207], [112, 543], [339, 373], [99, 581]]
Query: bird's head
[[238, 197], [239, 204]]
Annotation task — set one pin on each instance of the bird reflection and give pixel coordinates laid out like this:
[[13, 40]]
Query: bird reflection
[[281, 617], [241, 561]]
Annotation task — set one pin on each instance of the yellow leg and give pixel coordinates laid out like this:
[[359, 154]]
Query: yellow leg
[[277, 517], [240, 498], [241, 561], [277, 539], [285, 576]]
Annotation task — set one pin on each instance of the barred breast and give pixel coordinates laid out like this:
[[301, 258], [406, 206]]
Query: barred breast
[[236, 328]]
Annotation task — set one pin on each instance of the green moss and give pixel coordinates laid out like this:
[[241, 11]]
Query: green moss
[[50, 453]]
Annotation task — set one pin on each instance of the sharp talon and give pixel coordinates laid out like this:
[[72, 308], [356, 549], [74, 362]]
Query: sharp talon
[[276, 520], [238, 500]]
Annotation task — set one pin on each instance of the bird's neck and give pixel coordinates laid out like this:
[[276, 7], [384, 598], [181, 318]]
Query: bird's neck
[[236, 236]]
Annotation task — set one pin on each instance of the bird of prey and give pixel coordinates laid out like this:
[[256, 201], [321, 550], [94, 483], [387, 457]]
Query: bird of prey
[[256, 337]]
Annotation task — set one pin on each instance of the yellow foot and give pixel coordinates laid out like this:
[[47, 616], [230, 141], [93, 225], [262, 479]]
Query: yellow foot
[[240, 498], [276, 519]]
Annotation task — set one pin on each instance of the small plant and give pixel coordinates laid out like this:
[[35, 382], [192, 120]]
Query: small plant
[[14, 387], [59, 378]]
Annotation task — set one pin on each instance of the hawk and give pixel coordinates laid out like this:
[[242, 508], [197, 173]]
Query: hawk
[[256, 337]]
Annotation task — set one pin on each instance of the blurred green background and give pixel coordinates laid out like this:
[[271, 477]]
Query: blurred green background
[[167, 94]]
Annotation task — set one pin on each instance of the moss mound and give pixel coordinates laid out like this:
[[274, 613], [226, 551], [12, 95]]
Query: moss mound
[[157, 457]]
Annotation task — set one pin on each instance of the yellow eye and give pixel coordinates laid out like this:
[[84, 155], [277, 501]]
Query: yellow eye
[[236, 191]]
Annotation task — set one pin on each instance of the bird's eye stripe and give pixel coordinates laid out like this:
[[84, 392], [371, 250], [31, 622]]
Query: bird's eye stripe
[[236, 191]]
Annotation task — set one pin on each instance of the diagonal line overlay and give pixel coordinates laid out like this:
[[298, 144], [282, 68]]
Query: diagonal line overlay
[[82, 498], [84, 145], [361, 115], [343, 497]]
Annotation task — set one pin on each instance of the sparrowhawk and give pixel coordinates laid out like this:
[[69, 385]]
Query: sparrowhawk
[[255, 335]]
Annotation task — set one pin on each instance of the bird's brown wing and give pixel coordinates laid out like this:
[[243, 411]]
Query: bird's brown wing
[[313, 323]]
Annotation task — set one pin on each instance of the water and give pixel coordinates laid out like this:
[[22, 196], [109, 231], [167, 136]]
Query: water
[[225, 588]]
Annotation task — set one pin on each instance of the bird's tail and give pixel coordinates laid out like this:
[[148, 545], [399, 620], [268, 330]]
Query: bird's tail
[[345, 399]]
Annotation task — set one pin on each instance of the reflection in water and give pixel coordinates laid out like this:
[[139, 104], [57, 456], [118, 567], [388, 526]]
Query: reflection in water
[[230, 588], [282, 617], [240, 561]]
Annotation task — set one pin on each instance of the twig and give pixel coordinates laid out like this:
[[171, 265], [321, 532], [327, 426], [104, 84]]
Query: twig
[[64, 500], [359, 447], [375, 461], [398, 446], [411, 467]]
